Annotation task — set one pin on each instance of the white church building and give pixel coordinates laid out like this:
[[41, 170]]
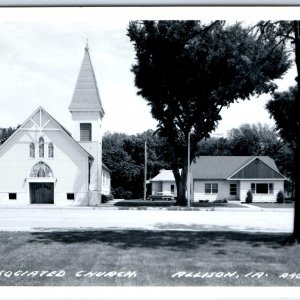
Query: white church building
[[43, 163]]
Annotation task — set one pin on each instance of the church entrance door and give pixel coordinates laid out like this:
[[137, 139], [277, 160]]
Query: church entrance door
[[42, 193]]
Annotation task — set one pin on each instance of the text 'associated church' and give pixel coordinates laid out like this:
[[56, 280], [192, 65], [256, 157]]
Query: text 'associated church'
[[43, 163]]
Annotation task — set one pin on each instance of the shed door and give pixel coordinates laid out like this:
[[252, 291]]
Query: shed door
[[42, 193]]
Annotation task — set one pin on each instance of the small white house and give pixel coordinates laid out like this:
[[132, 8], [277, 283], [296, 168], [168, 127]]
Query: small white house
[[228, 177], [43, 163], [164, 182]]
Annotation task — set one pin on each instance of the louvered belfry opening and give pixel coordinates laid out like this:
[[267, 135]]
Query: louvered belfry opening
[[85, 132]]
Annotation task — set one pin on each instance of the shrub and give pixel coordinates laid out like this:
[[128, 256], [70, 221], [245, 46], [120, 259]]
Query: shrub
[[280, 197], [106, 198], [127, 195], [118, 192], [249, 197], [221, 201]]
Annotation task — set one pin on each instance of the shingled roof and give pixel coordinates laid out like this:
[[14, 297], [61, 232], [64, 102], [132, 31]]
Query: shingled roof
[[221, 167], [86, 95], [218, 167], [164, 175]]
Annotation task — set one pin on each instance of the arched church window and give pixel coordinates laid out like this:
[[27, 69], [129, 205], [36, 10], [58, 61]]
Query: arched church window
[[41, 147], [31, 150], [41, 173], [50, 151], [41, 170]]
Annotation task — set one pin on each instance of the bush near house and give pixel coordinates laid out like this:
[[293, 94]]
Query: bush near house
[[280, 197], [120, 193], [106, 198], [249, 197]]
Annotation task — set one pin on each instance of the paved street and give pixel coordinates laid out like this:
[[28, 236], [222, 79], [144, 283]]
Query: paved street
[[54, 218]]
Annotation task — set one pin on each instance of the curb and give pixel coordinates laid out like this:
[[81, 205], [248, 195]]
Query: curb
[[144, 208]]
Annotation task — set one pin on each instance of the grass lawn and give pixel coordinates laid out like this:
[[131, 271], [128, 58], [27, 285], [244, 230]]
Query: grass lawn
[[153, 256], [274, 205]]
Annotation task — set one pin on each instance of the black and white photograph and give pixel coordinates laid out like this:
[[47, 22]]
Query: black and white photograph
[[150, 147]]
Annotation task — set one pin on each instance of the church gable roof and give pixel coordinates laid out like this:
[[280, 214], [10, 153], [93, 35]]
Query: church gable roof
[[41, 120], [86, 95]]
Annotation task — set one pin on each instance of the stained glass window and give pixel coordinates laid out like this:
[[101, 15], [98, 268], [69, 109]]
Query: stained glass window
[[50, 151], [41, 147], [31, 150]]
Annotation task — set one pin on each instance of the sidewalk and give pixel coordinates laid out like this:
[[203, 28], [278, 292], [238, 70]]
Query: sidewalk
[[110, 218], [110, 206]]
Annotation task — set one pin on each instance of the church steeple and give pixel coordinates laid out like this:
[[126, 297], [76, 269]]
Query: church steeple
[[87, 113], [86, 96]]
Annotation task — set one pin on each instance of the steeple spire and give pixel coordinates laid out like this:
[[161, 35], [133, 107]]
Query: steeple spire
[[87, 45], [86, 95]]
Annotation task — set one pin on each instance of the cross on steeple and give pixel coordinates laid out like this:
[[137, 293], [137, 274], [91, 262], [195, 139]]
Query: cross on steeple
[[87, 45]]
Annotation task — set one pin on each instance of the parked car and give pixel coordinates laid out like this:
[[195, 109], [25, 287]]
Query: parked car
[[161, 196]]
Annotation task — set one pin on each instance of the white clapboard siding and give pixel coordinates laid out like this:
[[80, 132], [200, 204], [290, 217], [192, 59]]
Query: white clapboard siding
[[245, 186], [199, 190], [69, 166]]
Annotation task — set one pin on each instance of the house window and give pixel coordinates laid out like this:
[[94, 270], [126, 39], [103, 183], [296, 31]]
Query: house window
[[172, 188], [271, 188], [31, 150], [85, 132], [41, 170], [262, 188], [70, 196], [211, 188], [12, 196], [253, 188], [41, 147], [50, 151], [233, 189]]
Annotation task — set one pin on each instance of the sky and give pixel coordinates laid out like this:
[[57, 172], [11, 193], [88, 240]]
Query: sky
[[42, 51]]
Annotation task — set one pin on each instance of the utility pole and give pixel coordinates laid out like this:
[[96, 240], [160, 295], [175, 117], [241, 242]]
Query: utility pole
[[145, 173], [189, 171]]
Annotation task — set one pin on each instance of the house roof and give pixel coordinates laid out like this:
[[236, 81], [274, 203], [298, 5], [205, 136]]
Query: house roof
[[222, 167], [218, 167], [164, 175], [86, 95]]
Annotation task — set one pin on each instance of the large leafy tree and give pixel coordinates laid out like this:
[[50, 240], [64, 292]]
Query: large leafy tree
[[188, 71], [255, 139], [5, 133], [124, 156], [287, 33], [282, 107], [252, 139], [122, 167]]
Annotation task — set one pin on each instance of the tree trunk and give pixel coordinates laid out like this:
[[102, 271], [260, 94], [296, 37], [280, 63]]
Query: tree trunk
[[181, 180], [296, 232]]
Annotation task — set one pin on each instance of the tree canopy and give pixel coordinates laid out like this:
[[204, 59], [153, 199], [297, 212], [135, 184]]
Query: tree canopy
[[287, 34], [282, 107], [188, 71], [124, 156], [5, 133]]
